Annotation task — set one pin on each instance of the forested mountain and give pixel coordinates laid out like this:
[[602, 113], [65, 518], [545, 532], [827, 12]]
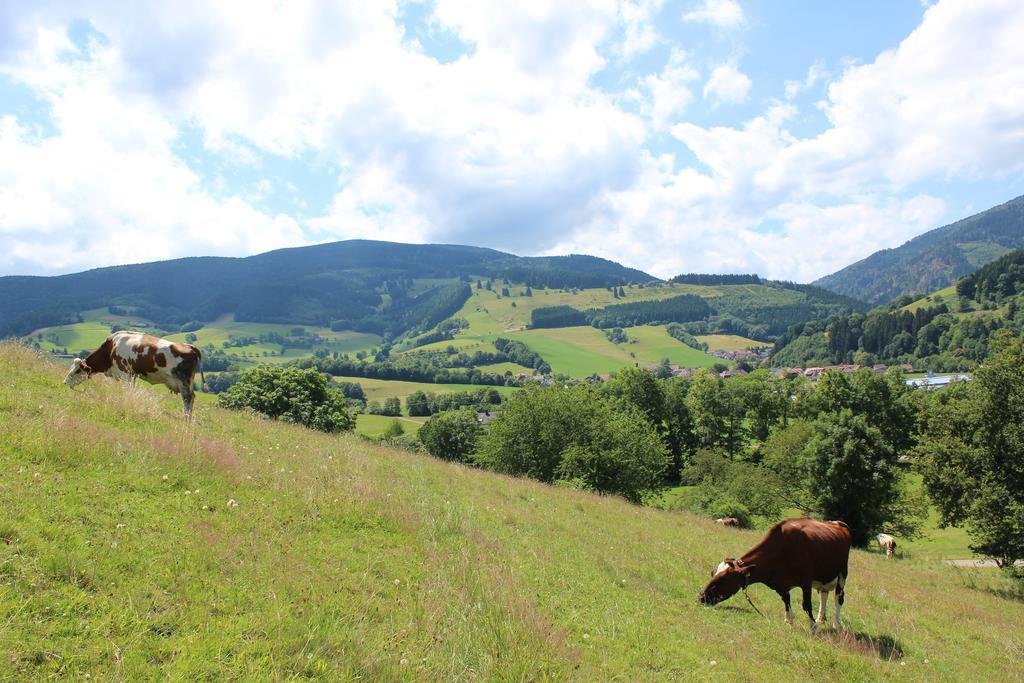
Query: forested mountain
[[935, 259], [938, 332], [357, 284]]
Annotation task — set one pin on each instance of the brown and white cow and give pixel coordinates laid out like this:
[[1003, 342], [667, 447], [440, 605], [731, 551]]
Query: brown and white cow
[[127, 355], [887, 543], [728, 521], [795, 553]]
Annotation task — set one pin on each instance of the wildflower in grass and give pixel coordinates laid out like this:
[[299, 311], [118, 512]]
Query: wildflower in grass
[[165, 477], [121, 526], [37, 475], [232, 503]]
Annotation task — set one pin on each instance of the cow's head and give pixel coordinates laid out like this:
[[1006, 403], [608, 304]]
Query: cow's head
[[79, 372], [726, 580]]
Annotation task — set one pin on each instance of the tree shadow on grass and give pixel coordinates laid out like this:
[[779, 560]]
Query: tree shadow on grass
[[883, 646]]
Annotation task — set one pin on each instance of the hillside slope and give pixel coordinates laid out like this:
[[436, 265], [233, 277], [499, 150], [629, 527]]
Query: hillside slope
[[340, 282], [933, 260], [135, 548]]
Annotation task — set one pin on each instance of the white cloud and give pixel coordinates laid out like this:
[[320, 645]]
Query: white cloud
[[668, 93], [723, 13], [727, 85], [107, 188]]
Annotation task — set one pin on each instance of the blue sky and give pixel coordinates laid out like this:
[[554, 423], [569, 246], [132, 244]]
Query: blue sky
[[787, 138]]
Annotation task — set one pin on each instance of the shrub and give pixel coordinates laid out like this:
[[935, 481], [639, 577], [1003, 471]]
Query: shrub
[[451, 435], [293, 395]]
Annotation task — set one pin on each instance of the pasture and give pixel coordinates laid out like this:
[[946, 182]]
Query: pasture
[[380, 389], [729, 342], [582, 351], [375, 425], [249, 549]]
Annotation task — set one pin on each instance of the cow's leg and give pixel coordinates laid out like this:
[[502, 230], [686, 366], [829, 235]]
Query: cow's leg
[[840, 596], [188, 397], [789, 610], [823, 600], [806, 590]]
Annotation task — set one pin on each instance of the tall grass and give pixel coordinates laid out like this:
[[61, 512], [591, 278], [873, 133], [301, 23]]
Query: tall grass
[[133, 546]]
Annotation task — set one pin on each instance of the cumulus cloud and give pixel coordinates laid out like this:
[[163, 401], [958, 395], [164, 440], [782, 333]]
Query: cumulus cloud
[[727, 85], [722, 13]]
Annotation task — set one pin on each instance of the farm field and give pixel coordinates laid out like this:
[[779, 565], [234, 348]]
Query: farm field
[[374, 425], [246, 548], [380, 389], [582, 351], [729, 342]]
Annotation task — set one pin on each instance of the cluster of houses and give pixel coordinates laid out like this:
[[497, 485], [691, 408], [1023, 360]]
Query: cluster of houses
[[814, 373]]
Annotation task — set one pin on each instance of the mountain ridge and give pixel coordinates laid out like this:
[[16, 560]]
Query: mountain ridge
[[933, 260]]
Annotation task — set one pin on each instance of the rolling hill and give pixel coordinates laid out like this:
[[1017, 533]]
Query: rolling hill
[[359, 285], [933, 260], [245, 548]]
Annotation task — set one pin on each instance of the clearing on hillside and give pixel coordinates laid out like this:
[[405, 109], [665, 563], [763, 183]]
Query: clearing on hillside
[[134, 548]]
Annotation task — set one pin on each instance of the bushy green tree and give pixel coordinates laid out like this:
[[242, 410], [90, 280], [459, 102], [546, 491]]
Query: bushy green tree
[[972, 454], [303, 396], [451, 435], [853, 477], [640, 389], [578, 436], [418, 404], [392, 407]]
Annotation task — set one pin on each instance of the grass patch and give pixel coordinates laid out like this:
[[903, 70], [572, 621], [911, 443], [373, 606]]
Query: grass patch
[[380, 389], [374, 425], [729, 342], [249, 549]]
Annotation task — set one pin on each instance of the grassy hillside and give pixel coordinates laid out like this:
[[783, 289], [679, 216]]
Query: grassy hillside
[[935, 259], [241, 548]]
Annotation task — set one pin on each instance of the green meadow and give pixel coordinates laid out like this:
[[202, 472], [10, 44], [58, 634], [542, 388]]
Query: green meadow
[[581, 351], [380, 389], [138, 548], [729, 342], [375, 425]]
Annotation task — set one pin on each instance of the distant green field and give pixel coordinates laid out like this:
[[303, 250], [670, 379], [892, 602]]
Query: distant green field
[[491, 314], [729, 342], [380, 389], [502, 368], [947, 296], [374, 425], [582, 351]]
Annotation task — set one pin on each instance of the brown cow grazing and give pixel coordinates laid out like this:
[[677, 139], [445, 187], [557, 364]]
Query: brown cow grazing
[[795, 553], [887, 543], [127, 355], [728, 521]]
